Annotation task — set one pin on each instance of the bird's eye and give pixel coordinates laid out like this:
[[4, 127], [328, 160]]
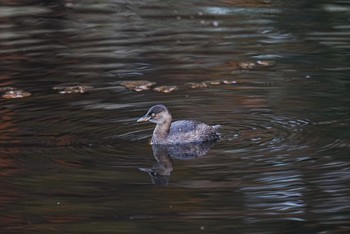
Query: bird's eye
[[153, 114]]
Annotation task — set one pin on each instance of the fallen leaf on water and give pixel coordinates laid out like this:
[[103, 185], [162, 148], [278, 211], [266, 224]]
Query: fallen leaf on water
[[165, 89], [138, 85], [194, 85], [247, 65], [229, 82], [73, 89], [266, 63], [16, 93], [214, 82]]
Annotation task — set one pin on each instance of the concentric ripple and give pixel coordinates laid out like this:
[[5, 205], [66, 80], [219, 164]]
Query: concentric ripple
[[265, 132]]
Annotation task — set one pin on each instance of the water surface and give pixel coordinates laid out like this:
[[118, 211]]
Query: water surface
[[79, 162]]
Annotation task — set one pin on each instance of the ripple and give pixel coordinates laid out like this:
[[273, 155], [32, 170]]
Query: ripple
[[20, 11], [275, 163], [264, 133]]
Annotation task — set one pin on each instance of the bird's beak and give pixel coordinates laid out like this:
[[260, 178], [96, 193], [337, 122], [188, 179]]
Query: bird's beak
[[144, 119]]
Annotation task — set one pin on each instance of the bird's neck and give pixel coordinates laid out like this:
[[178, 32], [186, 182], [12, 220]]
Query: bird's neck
[[161, 132]]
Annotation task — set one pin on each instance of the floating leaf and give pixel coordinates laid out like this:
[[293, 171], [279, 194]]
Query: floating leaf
[[15, 93], [165, 89], [197, 85], [73, 89], [138, 85]]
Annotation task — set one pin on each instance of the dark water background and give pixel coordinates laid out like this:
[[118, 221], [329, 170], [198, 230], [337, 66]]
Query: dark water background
[[70, 163]]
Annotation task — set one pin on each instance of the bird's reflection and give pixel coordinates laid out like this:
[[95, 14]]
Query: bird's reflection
[[163, 154]]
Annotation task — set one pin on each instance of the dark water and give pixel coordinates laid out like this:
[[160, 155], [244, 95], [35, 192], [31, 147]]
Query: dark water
[[79, 163]]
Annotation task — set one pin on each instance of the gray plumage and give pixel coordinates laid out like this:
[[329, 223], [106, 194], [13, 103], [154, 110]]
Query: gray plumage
[[178, 132]]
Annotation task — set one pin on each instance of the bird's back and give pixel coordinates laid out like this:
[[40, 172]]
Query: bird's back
[[188, 131]]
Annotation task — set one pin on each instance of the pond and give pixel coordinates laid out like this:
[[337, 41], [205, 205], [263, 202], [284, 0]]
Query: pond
[[76, 75]]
